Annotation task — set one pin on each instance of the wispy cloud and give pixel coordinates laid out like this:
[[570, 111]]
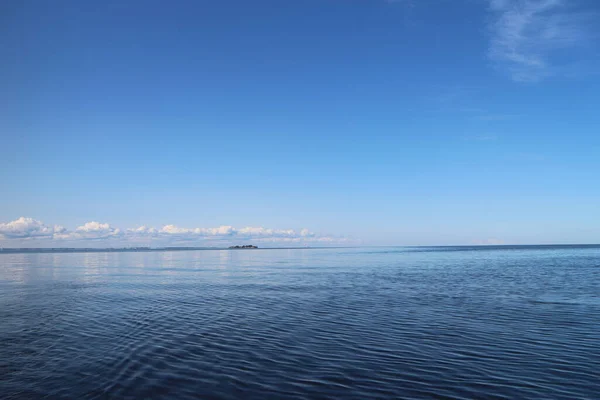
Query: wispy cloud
[[27, 229], [526, 35]]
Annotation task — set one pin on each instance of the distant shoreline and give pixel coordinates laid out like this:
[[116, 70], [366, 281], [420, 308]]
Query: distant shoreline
[[14, 250]]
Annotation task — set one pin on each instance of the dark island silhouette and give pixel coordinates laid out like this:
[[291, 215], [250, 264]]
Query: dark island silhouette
[[247, 246]]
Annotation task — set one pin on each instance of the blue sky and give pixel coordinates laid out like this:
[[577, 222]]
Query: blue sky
[[360, 121]]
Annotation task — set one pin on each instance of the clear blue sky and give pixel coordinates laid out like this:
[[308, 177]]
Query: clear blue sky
[[373, 121]]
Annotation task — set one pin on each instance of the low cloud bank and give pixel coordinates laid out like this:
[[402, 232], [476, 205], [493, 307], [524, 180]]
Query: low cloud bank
[[27, 229]]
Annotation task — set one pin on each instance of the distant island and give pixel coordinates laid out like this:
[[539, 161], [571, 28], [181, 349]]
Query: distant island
[[248, 246]]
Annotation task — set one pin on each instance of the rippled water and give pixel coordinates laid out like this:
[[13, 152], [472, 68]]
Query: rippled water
[[455, 323]]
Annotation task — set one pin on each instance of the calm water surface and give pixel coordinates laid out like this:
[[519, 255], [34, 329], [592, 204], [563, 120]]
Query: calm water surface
[[373, 323]]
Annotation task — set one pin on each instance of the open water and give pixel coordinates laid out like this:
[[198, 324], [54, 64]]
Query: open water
[[365, 323]]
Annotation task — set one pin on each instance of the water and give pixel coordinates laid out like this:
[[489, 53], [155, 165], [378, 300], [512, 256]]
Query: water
[[372, 323]]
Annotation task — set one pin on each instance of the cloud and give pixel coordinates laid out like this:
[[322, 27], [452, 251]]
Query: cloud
[[24, 228], [526, 35], [227, 231], [28, 228], [306, 233], [96, 230], [143, 230], [91, 231]]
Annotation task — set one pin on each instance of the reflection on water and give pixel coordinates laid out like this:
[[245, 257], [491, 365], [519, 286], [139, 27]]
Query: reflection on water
[[452, 323]]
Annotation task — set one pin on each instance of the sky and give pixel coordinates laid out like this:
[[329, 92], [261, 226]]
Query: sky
[[300, 123]]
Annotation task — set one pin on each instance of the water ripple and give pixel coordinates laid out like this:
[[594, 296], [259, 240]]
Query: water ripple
[[328, 324]]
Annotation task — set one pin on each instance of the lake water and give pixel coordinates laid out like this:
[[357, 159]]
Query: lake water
[[367, 323]]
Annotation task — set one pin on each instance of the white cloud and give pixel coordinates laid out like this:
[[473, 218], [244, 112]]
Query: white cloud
[[306, 233], [220, 231], [264, 232], [28, 228], [227, 231], [58, 229], [89, 231], [24, 228], [143, 230], [527, 34], [97, 228], [173, 230]]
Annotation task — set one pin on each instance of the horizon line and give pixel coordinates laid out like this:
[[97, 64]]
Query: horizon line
[[17, 250]]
